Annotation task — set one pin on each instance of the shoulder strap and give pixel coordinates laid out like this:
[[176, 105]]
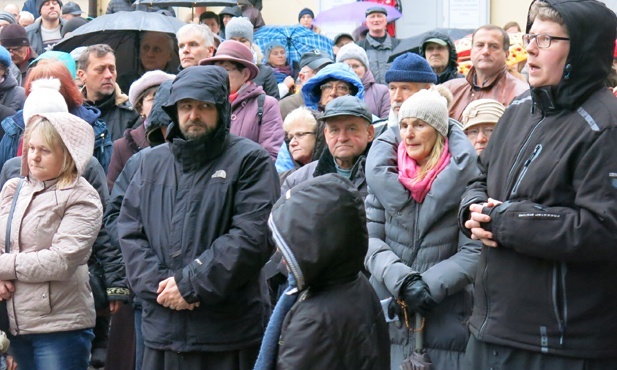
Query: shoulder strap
[[7, 241], [260, 107]]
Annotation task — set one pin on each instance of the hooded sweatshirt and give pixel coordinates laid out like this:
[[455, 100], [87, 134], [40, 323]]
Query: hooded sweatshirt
[[451, 71]]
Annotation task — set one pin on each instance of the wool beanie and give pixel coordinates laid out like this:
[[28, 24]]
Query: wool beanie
[[13, 35], [149, 79], [410, 67], [39, 4], [6, 16], [5, 57], [482, 111], [306, 11], [239, 27], [271, 45], [429, 106], [44, 97], [352, 51]]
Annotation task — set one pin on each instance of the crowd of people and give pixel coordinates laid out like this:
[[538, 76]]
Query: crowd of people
[[222, 208]]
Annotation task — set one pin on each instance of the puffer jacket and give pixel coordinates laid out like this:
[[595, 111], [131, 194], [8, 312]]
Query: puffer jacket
[[552, 161], [451, 71], [378, 55], [245, 121], [407, 237], [337, 321], [376, 96]]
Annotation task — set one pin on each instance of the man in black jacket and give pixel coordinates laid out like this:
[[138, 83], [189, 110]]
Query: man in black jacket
[[545, 204], [193, 233]]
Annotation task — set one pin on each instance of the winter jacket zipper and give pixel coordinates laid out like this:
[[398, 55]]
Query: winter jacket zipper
[[534, 155], [486, 296], [560, 298], [520, 152]]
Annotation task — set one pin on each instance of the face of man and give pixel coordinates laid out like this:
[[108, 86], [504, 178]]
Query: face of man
[[50, 11], [342, 41], [67, 17], [305, 74], [479, 135], [347, 138], [155, 51], [487, 53], [99, 77], [226, 19], [376, 24], [192, 48], [213, 24], [546, 64], [306, 20], [18, 54], [437, 56], [333, 89], [401, 91], [196, 118]]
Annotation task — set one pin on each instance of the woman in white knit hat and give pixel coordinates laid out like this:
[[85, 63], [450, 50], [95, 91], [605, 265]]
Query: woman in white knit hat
[[416, 173], [52, 218]]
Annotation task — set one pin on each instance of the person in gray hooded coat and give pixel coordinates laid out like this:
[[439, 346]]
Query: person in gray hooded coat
[[416, 253]]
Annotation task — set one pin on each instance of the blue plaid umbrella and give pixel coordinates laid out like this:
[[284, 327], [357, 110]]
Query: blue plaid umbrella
[[297, 40]]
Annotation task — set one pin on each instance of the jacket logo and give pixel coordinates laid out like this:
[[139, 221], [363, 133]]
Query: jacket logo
[[613, 177], [220, 173]]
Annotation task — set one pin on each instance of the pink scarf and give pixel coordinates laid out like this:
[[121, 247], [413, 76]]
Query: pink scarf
[[408, 168]]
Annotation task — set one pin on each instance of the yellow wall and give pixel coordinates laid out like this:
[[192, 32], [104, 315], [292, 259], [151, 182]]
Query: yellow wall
[[504, 11]]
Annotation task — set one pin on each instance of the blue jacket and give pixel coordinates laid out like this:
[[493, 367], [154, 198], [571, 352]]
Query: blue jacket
[[335, 71]]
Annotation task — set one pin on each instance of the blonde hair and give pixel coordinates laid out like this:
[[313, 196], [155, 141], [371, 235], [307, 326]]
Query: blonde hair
[[545, 12], [300, 114], [433, 158], [68, 172]]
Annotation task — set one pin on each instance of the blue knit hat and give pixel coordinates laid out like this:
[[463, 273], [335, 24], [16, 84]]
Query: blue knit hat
[[5, 57], [410, 67], [271, 45], [306, 11]]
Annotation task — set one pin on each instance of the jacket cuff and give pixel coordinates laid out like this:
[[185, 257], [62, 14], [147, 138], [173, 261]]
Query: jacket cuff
[[464, 214], [183, 282], [118, 294]]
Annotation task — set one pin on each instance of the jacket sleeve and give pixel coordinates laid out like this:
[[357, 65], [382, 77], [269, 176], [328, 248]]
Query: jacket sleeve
[[70, 247], [271, 133], [268, 81], [584, 233], [237, 256]]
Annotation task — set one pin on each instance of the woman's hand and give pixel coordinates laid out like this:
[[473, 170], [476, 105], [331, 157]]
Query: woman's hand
[[6, 289]]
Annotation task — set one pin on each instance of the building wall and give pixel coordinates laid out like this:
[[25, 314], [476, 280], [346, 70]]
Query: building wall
[[504, 11]]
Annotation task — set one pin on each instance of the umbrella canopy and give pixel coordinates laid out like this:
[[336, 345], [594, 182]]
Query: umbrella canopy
[[296, 39], [414, 43], [353, 12], [187, 3], [121, 32]]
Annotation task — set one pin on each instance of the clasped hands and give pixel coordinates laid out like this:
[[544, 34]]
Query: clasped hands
[[169, 296], [477, 218]]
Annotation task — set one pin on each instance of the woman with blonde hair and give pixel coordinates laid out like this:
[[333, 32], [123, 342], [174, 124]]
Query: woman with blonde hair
[[52, 217], [417, 257]]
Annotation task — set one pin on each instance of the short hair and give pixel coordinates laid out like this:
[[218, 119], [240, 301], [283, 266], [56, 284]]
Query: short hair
[[24, 14], [300, 114], [545, 12], [170, 40], [99, 51], [203, 30], [68, 172], [491, 27], [210, 15], [53, 68], [512, 24], [139, 102]]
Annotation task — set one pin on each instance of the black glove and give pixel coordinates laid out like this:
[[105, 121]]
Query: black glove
[[416, 295]]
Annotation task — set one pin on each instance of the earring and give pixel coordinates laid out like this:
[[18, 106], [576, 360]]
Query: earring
[[567, 70]]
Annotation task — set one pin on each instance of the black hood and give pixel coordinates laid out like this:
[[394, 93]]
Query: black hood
[[158, 117], [592, 28], [203, 83], [320, 228], [452, 64]]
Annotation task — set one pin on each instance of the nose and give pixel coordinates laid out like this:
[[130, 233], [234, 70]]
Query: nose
[[108, 74], [532, 47], [398, 96], [193, 115], [481, 138], [408, 133]]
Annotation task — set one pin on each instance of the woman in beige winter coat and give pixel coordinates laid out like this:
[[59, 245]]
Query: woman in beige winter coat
[[56, 218]]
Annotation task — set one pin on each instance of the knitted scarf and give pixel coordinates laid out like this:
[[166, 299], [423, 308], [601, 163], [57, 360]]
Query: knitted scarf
[[270, 344], [408, 168], [281, 73]]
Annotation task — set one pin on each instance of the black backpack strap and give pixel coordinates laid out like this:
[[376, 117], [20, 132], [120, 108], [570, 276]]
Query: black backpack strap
[[260, 107]]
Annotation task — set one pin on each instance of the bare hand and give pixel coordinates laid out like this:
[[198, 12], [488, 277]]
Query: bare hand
[[169, 296], [289, 81], [11, 364], [6, 289], [475, 220], [114, 306]]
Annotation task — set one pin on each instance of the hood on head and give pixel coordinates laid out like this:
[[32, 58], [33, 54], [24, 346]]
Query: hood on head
[[320, 228], [592, 28], [453, 56], [203, 83], [334, 71], [158, 117], [76, 134]]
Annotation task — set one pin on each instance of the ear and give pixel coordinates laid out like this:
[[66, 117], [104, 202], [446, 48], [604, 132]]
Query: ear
[[371, 132], [210, 51], [81, 74], [246, 74]]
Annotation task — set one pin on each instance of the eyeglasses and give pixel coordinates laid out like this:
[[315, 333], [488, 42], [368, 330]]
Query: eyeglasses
[[474, 132], [342, 89], [297, 136], [543, 41]]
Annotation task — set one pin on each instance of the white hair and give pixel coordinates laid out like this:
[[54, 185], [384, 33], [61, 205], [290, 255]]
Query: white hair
[[203, 30]]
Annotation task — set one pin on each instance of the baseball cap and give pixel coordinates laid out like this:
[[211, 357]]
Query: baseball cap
[[436, 41], [347, 105]]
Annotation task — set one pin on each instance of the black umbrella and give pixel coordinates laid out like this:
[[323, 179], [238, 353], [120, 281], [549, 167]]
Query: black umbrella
[[414, 43], [419, 359], [121, 31], [187, 3]]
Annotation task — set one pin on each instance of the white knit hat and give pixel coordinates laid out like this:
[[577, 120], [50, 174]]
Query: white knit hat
[[429, 106], [149, 79], [44, 97], [352, 51]]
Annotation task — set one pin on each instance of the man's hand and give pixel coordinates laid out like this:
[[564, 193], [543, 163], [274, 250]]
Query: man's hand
[[11, 364], [6, 290], [114, 306], [476, 218], [169, 296]]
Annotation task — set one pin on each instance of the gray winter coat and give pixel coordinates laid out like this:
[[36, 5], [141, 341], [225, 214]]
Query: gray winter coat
[[408, 237], [34, 35], [378, 55]]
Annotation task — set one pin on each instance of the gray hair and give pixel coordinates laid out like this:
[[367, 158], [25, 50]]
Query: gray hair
[[203, 30], [99, 51], [301, 114], [170, 40]]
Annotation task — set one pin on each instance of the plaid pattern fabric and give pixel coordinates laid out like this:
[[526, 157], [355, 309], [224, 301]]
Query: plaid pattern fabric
[[297, 40]]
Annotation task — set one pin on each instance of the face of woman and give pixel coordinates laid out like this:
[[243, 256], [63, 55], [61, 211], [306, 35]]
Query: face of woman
[[277, 57], [357, 66], [419, 138], [302, 142], [546, 65], [44, 162], [237, 78], [146, 104]]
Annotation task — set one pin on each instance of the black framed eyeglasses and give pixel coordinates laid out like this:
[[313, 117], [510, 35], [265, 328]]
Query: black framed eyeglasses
[[542, 40]]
